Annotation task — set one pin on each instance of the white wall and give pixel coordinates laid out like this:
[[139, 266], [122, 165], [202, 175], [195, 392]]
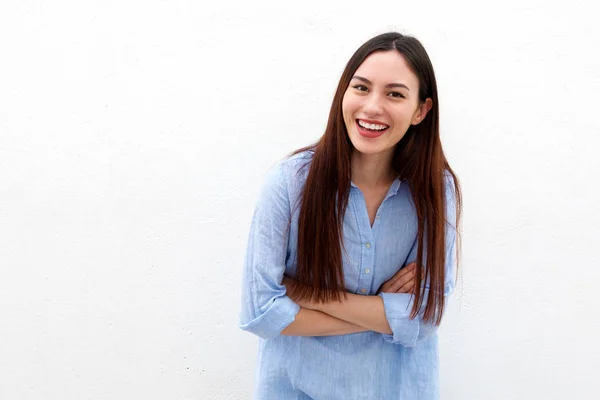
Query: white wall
[[134, 136]]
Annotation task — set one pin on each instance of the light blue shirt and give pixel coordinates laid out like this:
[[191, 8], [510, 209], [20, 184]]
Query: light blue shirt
[[367, 365]]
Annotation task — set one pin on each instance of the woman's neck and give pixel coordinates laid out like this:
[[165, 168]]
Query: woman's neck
[[372, 170]]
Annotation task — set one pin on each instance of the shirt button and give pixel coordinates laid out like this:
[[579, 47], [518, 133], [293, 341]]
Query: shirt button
[[377, 217], [367, 271], [368, 245], [363, 290]]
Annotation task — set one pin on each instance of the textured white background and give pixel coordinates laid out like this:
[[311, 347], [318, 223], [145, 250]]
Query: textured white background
[[134, 136]]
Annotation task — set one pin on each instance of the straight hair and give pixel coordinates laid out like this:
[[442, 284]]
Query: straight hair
[[418, 159]]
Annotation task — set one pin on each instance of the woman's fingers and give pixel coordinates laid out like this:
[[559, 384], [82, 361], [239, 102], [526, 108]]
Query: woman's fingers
[[403, 279], [408, 287], [407, 269], [399, 280], [384, 288]]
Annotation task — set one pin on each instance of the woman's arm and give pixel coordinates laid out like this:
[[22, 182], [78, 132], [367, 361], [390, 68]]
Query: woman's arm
[[315, 323], [267, 311], [358, 311], [265, 308], [389, 312], [365, 311]]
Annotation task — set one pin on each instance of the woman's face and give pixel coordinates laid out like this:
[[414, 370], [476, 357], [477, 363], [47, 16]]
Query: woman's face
[[381, 103]]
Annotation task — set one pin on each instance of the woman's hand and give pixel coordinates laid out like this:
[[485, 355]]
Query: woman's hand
[[402, 282]]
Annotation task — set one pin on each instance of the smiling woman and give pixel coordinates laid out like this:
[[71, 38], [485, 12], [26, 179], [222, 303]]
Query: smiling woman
[[353, 245], [380, 95]]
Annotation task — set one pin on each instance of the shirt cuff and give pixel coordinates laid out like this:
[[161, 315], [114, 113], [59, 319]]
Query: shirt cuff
[[280, 313], [405, 330]]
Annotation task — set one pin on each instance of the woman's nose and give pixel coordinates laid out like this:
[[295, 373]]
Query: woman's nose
[[372, 105]]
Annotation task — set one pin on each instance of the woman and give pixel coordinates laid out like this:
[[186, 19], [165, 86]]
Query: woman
[[331, 284]]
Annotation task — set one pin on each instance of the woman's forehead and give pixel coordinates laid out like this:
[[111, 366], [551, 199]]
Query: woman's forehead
[[383, 67]]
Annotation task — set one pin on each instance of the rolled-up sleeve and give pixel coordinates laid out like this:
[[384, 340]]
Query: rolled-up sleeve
[[265, 308], [398, 306]]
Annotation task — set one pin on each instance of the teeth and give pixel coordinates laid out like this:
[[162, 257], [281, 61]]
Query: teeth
[[374, 127]]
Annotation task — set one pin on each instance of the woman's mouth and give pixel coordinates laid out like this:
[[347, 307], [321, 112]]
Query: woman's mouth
[[370, 130]]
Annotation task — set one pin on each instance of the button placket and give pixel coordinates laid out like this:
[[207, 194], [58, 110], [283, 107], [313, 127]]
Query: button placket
[[367, 240], [365, 277]]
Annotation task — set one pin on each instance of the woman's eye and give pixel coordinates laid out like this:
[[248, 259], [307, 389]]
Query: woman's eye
[[362, 88], [396, 94]]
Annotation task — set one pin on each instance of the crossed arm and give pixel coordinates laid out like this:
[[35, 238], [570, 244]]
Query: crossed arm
[[357, 313], [269, 308]]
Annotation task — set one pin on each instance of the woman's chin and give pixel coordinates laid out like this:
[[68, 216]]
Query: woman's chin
[[366, 148], [366, 151]]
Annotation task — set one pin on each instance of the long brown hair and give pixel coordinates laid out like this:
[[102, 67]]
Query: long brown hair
[[418, 159]]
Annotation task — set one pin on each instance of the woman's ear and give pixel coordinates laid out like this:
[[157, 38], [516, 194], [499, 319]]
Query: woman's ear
[[422, 111]]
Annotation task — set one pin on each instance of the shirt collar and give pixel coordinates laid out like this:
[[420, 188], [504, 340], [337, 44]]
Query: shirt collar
[[393, 188]]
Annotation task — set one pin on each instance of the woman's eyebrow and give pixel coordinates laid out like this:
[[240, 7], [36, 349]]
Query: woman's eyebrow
[[389, 85]]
